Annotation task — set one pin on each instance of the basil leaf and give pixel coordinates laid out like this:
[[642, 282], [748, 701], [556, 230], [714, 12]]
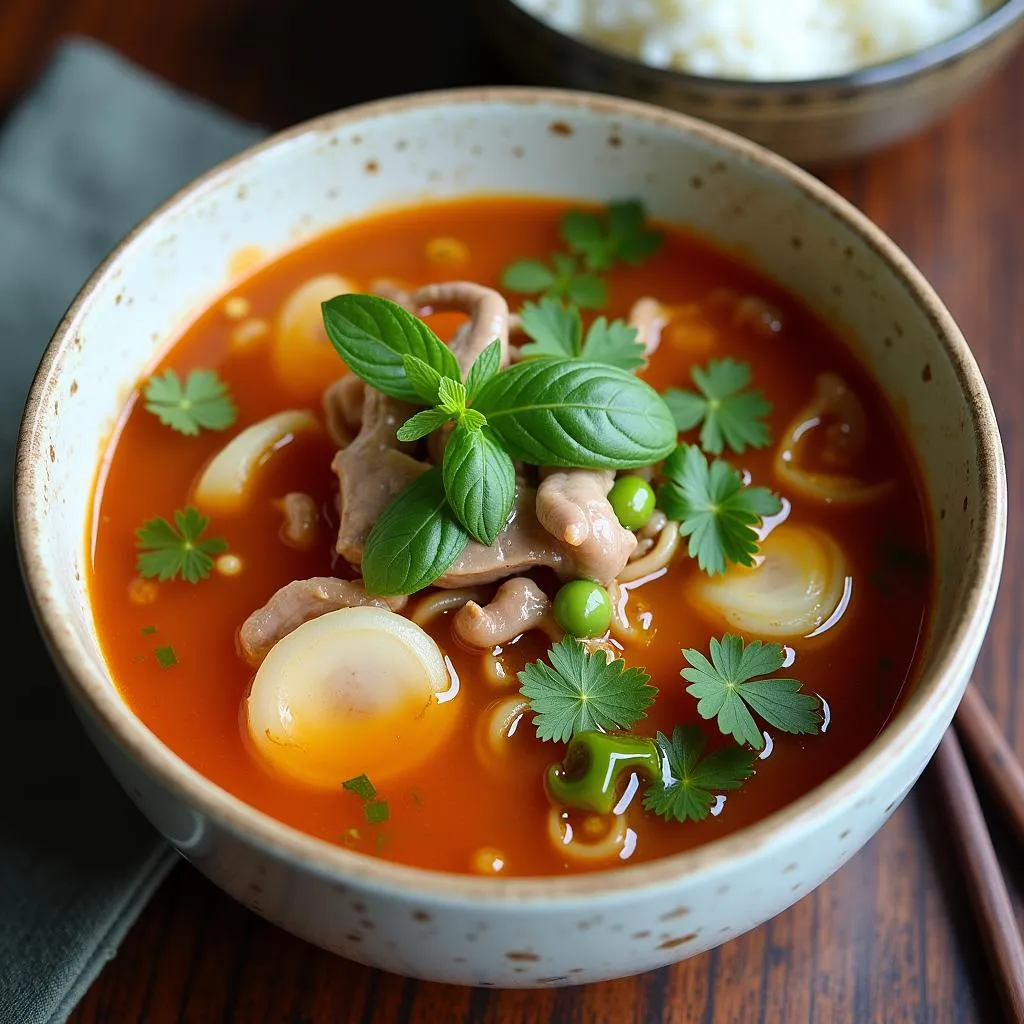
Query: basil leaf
[[414, 541], [451, 395], [571, 412], [480, 481], [483, 369], [423, 423], [373, 334], [424, 379]]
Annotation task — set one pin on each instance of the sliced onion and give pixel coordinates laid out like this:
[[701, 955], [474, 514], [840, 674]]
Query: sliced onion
[[302, 355], [352, 692], [227, 480], [844, 440], [798, 584]]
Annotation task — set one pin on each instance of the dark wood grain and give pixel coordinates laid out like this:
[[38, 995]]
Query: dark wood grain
[[997, 766], [982, 876], [890, 937]]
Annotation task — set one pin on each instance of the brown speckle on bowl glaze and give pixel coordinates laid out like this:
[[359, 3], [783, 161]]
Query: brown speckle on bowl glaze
[[679, 940]]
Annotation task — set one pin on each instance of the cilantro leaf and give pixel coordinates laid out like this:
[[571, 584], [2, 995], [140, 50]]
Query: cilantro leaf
[[527, 276], [614, 343], [728, 687], [687, 791], [167, 551], [556, 331], [580, 690], [731, 415], [202, 402], [562, 280], [714, 508], [621, 235]]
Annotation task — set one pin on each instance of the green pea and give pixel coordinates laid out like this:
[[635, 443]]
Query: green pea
[[583, 608], [632, 501]]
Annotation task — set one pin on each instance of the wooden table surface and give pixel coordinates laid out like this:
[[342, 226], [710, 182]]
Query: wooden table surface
[[890, 937]]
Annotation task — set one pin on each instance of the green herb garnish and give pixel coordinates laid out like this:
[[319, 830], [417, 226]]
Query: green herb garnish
[[569, 412], [730, 686], [564, 279], [415, 540], [688, 787], [582, 691], [361, 786], [555, 411], [166, 657], [556, 330], [479, 480], [714, 508], [730, 414], [203, 402], [167, 551], [596, 241], [373, 336], [148, 630], [376, 811], [620, 236]]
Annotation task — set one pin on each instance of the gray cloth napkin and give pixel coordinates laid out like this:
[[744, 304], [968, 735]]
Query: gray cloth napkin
[[93, 147]]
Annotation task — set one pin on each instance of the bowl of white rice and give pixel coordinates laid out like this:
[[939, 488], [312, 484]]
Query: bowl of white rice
[[815, 80]]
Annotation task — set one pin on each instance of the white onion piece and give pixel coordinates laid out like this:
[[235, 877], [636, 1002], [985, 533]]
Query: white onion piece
[[844, 439], [302, 355], [797, 584], [226, 481], [351, 692], [829, 488]]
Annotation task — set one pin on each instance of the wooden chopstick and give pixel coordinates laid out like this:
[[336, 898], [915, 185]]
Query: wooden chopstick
[[992, 758], [983, 875]]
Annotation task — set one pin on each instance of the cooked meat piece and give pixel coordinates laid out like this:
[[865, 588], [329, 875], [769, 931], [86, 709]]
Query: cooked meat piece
[[649, 317], [298, 602], [572, 505], [371, 471], [521, 545], [343, 408], [488, 317], [518, 605], [300, 520]]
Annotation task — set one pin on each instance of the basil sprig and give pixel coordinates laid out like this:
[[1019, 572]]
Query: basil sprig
[[415, 540], [373, 335], [555, 411], [479, 479], [572, 412]]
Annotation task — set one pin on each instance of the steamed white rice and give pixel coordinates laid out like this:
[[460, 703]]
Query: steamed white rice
[[760, 39]]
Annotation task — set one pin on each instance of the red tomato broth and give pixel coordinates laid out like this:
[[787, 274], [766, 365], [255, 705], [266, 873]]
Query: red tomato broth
[[445, 811]]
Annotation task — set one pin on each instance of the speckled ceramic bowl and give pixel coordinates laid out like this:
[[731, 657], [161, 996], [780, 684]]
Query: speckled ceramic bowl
[[814, 122], [526, 932]]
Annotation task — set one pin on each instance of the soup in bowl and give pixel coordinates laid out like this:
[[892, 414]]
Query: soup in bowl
[[512, 537]]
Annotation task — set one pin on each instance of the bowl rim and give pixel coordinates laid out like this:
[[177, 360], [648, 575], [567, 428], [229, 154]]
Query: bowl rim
[[972, 37], [95, 692]]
